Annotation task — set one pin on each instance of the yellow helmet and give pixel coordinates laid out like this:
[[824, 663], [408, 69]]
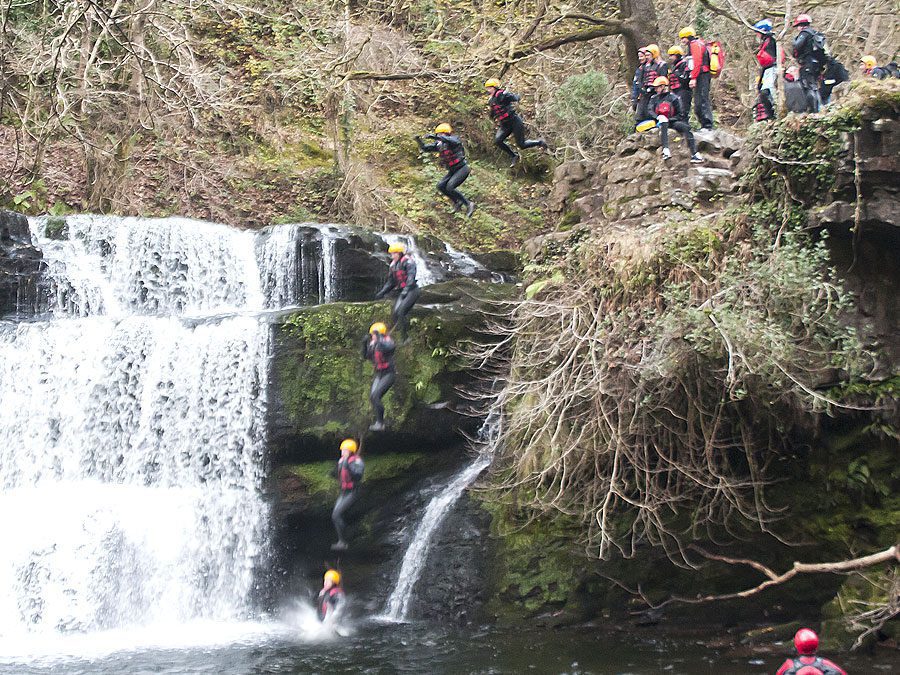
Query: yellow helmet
[[687, 32], [443, 128], [869, 61], [334, 576], [676, 50], [378, 327], [661, 80], [397, 248], [349, 444], [653, 49], [491, 82]]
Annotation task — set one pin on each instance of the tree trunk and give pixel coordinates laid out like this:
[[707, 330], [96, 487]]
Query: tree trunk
[[641, 28]]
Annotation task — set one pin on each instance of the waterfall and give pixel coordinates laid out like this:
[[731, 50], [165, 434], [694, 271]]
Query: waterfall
[[132, 429], [425, 276], [437, 510]]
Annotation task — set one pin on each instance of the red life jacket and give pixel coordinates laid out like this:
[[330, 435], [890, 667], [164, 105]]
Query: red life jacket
[[665, 108], [650, 74], [818, 667], [764, 57], [347, 482], [451, 157], [499, 111], [399, 271], [325, 599], [380, 360], [761, 112]]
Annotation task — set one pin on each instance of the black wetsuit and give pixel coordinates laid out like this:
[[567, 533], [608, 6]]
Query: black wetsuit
[[648, 72], [810, 54], [668, 105], [349, 472], [508, 122], [680, 85], [402, 277], [381, 354], [329, 601], [453, 157], [834, 73]]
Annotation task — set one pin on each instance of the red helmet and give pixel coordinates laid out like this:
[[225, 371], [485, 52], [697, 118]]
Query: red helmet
[[806, 641], [802, 19]]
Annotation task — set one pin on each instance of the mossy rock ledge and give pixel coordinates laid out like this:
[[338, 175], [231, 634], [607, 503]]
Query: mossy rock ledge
[[319, 383]]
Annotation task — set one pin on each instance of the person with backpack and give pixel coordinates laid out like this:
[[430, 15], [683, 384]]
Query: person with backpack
[[508, 121], [832, 76], [869, 68], [453, 157], [811, 53], [680, 79], [767, 58], [666, 107], [701, 77], [349, 472], [807, 663]]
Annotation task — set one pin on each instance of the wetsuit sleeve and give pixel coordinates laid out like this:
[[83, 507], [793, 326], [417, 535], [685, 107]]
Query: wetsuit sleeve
[[452, 141], [336, 469], [387, 346], [356, 470], [635, 86], [677, 107], [800, 44], [427, 147], [388, 286], [366, 348], [509, 98]]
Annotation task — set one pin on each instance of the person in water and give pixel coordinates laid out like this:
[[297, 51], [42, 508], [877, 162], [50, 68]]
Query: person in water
[[401, 278], [508, 121], [807, 663], [453, 157], [331, 598], [349, 471], [379, 347]]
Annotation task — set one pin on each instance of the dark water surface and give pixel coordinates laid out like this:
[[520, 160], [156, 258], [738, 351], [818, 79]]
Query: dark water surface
[[413, 648]]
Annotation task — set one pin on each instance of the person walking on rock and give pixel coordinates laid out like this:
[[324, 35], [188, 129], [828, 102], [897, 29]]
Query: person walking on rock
[[330, 600], [701, 76], [453, 156], [680, 79], [807, 663], [379, 348], [767, 58], [666, 106], [501, 110], [811, 53], [401, 278], [349, 472]]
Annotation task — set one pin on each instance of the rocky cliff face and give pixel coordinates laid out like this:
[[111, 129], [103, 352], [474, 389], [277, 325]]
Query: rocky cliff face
[[20, 267]]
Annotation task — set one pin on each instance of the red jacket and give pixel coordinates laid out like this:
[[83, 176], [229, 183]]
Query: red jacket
[[826, 666], [699, 58]]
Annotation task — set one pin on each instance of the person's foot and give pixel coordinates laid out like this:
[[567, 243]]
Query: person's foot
[[377, 426], [667, 154], [696, 158], [513, 161], [543, 144], [470, 209], [339, 546]]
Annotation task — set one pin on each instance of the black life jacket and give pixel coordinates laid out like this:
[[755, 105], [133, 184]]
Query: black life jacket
[[400, 272], [499, 111], [650, 73], [761, 114], [346, 476], [451, 156], [327, 598], [817, 667], [674, 80]]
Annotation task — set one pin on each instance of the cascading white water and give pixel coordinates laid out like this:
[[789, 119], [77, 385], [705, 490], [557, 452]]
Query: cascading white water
[[437, 510], [132, 431]]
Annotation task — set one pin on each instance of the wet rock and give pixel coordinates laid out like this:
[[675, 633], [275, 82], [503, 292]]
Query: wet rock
[[21, 267]]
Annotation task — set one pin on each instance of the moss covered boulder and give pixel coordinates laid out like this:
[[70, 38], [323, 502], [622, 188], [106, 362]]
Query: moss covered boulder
[[319, 384]]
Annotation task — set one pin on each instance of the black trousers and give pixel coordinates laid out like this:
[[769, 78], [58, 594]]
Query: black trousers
[[403, 305], [344, 501], [680, 126], [643, 108], [515, 126], [702, 105], [684, 93], [383, 381], [454, 178], [809, 82]]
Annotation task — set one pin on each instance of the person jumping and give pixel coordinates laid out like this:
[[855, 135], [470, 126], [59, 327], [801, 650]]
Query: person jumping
[[500, 105], [453, 156], [378, 347], [349, 472], [401, 278]]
